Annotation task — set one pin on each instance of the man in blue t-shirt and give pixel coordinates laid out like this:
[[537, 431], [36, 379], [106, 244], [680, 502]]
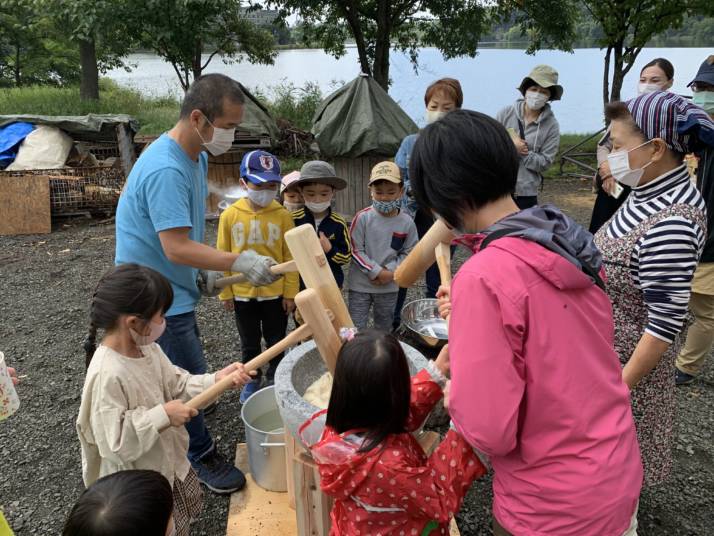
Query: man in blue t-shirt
[[160, 224]]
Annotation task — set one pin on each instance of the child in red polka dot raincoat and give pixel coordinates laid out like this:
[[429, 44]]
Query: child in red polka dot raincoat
[[369, 461]]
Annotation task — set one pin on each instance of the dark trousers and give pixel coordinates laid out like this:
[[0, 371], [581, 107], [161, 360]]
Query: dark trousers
[[525, 201], [181, 342], [258, 320]]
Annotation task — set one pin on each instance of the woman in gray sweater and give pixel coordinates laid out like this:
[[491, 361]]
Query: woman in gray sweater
[[534, 130]]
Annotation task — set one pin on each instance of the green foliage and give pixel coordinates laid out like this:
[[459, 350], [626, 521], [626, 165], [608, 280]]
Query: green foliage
[[294, 104], [32, 50], [155, 115], [180, 31], [452, 26]]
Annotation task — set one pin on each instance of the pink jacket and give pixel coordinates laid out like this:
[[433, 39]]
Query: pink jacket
[[536, 385]]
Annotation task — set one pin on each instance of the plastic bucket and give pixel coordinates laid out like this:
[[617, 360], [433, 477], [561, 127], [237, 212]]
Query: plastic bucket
[[265, 439]]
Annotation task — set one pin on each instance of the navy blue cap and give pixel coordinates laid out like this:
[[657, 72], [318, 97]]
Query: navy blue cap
[[260, 167], [705, 75]]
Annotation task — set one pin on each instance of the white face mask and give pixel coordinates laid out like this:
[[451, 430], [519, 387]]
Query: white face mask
[[292, 207], [221, 141], [156, 330], [262, 198], [434, 115], [318, 207], [535, 100], [643, 88], [620, 167]]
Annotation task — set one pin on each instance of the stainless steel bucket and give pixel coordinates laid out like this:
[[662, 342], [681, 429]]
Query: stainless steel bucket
[[265, 438], [422, 317]]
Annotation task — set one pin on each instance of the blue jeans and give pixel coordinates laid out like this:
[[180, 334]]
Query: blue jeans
[[182, 344]]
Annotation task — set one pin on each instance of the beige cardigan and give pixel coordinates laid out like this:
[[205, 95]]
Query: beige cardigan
[[122, 423]]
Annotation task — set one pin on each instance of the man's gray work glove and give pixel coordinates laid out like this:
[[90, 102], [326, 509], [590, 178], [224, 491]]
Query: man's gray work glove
[[255, 268], [206, 281]]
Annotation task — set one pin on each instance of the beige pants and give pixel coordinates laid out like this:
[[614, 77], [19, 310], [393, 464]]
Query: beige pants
[[700, 336]]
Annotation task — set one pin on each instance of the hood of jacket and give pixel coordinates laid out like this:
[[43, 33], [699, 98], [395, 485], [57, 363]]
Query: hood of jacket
[[577, 260]]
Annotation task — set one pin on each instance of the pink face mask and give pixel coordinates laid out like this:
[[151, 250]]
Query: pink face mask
[[156, 332]]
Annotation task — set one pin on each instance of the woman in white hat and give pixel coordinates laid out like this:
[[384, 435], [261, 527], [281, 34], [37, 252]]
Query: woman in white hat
[[534, 130]]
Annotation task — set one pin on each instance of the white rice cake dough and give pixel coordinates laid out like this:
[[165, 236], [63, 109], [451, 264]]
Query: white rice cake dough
[[318, 394]]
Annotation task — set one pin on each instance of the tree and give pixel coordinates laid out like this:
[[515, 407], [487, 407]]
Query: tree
[[32, 51], [453, 26], [628, 25], [99, 29], [180, 31]]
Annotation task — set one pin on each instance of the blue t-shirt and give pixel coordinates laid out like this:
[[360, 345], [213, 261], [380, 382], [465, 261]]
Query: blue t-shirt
[[165, 190]]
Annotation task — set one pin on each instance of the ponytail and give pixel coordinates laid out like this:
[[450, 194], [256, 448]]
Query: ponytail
[[90, 345], [128, 289]]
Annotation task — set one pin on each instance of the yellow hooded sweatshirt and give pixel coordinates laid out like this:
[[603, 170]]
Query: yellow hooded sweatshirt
[[263, 231]]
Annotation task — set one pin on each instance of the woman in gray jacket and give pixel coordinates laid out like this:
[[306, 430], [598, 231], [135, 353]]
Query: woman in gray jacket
[[534, 130]]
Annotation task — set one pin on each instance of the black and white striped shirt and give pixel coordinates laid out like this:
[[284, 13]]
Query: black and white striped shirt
[[664, 259]]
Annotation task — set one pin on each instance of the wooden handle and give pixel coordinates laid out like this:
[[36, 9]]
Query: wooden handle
[[442, 252], [423, 255], [277, 269], [323, 333], [218, 388], [316, 273]]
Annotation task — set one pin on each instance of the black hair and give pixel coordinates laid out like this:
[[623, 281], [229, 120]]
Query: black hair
[[532, 83], [127, 289], [127, 503], [382, 181], [208, 92], [663, 64], [371, 389], [463, 161]]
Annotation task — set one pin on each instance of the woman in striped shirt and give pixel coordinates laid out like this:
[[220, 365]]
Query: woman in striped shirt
[[651, 247]]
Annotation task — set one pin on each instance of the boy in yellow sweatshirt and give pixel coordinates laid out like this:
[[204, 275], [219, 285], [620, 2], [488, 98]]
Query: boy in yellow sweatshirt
[[259, 222]]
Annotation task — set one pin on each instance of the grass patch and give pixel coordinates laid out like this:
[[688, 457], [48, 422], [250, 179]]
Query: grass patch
[[155, 114], [566, 142]]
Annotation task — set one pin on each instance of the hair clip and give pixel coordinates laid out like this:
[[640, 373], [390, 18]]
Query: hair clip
[[347, 334]]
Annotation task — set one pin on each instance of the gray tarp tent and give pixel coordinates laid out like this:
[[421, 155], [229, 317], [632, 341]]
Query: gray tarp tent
[[360, 119], [102, 124]]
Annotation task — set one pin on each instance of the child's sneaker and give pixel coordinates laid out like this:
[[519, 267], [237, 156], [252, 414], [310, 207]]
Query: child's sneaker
[[217, 474], [682, 378], [249, 388]]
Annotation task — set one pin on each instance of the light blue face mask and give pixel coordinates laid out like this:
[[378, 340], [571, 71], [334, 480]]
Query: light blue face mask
[[385, 207]]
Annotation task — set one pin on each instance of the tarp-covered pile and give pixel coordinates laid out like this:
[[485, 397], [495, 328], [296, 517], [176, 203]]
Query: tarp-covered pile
[[360, 119], [257, 120]]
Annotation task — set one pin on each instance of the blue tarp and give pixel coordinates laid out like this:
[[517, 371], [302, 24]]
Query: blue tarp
[[11, 137]]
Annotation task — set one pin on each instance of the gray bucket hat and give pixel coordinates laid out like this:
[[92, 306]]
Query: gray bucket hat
[[545, 76], [705, 74], [321, 172]]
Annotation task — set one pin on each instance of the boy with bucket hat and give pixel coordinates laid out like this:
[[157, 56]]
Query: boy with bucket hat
[[317, 184], [258, 222], [534, 130]]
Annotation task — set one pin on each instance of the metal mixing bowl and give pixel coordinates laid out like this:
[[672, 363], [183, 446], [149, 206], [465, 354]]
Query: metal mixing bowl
[[422, 317]]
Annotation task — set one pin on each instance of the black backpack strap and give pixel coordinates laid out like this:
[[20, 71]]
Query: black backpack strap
[[585, 267]]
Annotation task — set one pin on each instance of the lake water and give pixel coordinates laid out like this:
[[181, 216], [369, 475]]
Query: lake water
[[488, 80]]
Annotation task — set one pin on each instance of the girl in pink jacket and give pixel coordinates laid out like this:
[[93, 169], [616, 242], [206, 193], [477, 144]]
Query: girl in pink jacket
[[536, 383], [369, 461]]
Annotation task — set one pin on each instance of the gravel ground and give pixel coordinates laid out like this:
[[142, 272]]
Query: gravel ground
[[46, 283]]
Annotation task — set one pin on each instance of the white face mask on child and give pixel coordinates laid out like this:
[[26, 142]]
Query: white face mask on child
[[156, 331], [292, 207], [262, 198], [318, 207]]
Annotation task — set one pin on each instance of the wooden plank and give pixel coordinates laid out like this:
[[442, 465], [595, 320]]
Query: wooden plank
[[312, 505], [25, 205], [254, 511], [292, 448]]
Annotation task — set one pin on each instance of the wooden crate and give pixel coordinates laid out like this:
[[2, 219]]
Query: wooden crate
[[25, 204], [356, 172]]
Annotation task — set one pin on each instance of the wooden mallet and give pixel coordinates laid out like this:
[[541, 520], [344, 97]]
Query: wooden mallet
[[277, 269], [423, 255], [318, 324], [312, 264], [442, 252]]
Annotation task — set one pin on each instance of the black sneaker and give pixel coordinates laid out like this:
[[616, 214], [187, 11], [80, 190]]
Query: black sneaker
[[217, 474], [682, 378]]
